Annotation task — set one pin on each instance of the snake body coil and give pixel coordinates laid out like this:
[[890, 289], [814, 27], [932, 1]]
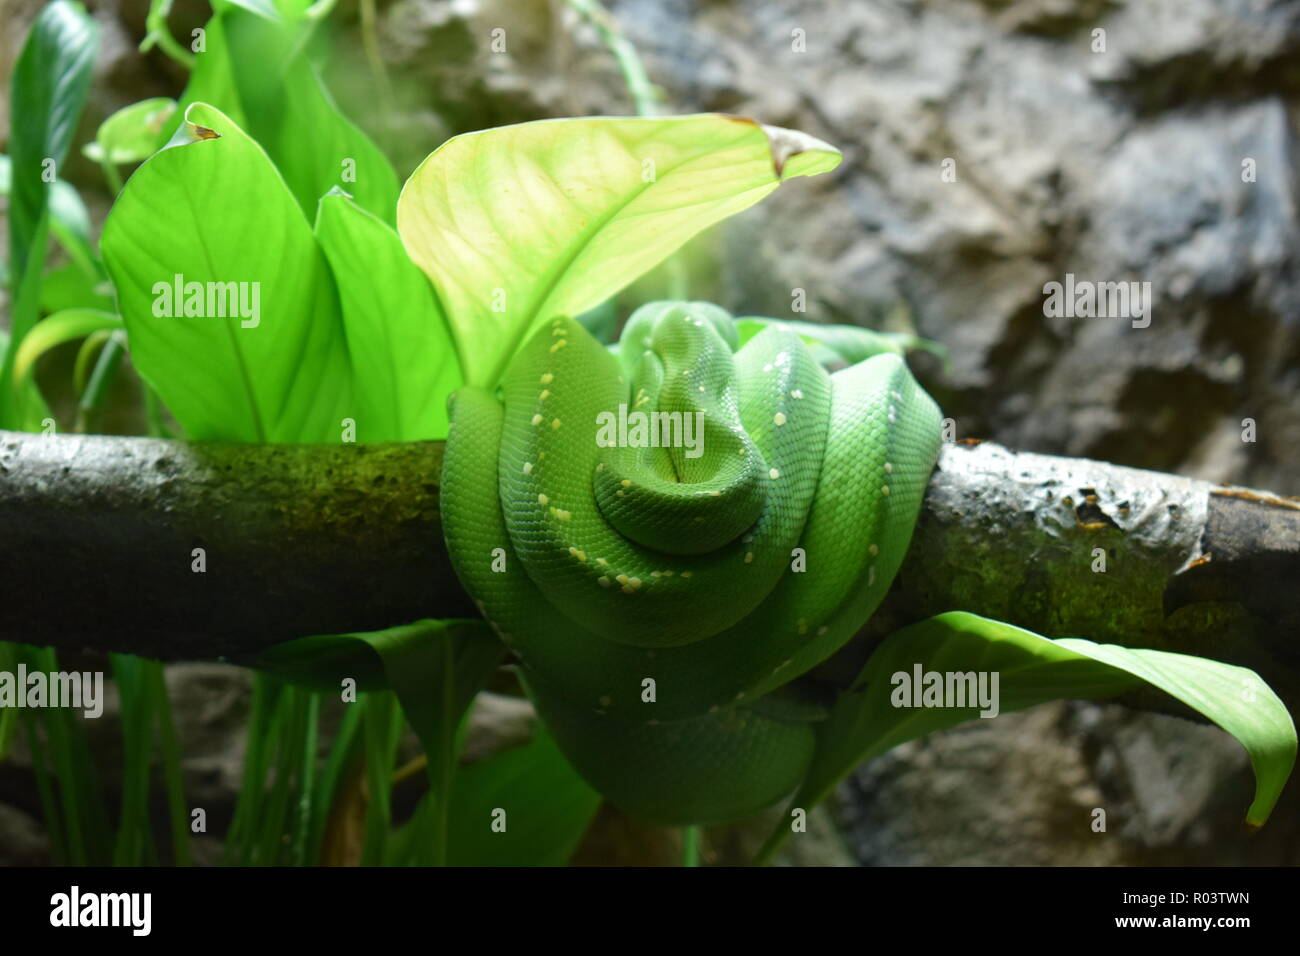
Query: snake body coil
[[659, 597]]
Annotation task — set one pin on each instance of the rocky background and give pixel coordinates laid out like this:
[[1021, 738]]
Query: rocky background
[[1102, 138]]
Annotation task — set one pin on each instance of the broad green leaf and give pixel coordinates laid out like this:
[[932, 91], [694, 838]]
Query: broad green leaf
[[266, 358], [290, 113], [131, 134], [61, 327], [49, 85], [521, 223], [402, 353], [1031, 670], [547, 808]]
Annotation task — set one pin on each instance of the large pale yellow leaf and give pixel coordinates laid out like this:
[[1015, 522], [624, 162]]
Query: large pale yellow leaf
[[520, 223]]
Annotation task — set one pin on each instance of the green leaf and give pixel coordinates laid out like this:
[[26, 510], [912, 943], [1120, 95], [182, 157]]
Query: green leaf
[[517, 224], [290, 113], [212, 81], [50, 82], [37, 412], [263, 8], [435, 667], [68, 287], [408, 659], [1033, 669], [400, 344], [69, 221], [276, 369], [49, 87], [547, 808], [61, 327], [131, 134]]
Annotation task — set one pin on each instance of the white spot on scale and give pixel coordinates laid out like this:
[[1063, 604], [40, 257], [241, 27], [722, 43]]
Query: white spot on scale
[[543, 500], [528, 468], [547, 378], [774, 474], [873, 550], [889, 469], [537, 419], [779, 418]]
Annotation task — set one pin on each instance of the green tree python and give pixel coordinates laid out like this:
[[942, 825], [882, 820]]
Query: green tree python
[[660, 600]]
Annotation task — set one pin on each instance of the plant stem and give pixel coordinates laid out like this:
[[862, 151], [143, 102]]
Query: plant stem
[[691, 846], [159, 33], [643, 92], [306, 782], [171, 766]]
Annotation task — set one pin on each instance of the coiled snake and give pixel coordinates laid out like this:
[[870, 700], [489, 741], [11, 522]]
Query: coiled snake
[[660, 598]]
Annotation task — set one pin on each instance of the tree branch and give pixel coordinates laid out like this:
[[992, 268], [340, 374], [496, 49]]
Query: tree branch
[[97, 540]]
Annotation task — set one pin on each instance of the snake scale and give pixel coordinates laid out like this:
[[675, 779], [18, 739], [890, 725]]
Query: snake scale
[[661, 599]]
